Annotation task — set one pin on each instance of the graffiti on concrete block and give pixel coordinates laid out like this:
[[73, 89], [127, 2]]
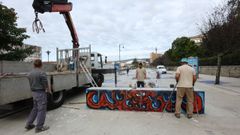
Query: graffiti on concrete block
[[139, 100]]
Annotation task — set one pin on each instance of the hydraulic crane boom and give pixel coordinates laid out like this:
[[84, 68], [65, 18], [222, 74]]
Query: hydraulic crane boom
[[63, 7], [71, 27]]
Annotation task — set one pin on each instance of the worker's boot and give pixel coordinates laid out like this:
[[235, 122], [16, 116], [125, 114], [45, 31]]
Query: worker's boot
[[189, 116], [29, 127], [44, 128], [177, 115]]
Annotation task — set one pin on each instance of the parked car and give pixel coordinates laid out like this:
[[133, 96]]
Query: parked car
[[161, 69]]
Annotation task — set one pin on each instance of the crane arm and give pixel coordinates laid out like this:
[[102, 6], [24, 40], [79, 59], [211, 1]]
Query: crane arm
[[63, 7], [72, 29]]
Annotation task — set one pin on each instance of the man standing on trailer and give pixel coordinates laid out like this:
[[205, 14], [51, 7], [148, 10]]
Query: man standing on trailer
[[39, 87], [186, 77], [141, 75]]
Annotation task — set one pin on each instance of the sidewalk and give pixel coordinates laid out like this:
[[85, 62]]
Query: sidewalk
[[226, 83]]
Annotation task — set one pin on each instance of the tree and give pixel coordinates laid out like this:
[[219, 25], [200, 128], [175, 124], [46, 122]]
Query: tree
[[135, 63], [234, 5], [11, 37], [222, 33], [182, 48]]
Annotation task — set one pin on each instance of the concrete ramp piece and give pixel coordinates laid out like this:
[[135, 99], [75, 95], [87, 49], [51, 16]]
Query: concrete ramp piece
[[146, 99]]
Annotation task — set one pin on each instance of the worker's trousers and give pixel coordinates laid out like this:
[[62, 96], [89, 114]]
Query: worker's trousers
[[39, 109], [140, 84], [180, 94]]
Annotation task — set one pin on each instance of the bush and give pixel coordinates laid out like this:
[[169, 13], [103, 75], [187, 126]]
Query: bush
[[230, 59], [211, 61]]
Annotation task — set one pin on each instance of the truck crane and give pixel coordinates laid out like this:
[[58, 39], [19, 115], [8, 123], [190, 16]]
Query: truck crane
[[14, 85], [63, 7]]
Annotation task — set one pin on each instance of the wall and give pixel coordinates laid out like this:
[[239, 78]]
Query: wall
[[228, 71], [22, 67], [153, 100]]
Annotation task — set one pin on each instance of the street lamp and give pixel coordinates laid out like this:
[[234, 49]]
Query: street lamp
[[48, 52], [120, 46], [119, 49]]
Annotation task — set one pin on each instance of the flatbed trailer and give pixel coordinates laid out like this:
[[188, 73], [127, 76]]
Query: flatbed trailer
[[14, 83]]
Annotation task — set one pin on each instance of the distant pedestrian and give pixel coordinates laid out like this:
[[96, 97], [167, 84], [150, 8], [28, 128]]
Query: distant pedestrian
[[141, 75], [186, 77], [39, 87], [158, 75], [127, 70], [158, 78]]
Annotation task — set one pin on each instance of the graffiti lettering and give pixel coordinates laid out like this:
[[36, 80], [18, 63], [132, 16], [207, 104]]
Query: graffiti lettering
[[139, 100]]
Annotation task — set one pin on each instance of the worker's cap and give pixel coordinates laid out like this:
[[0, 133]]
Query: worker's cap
[[184, 60]]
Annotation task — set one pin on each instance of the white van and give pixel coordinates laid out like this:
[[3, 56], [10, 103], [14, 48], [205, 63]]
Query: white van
[[161, 69]]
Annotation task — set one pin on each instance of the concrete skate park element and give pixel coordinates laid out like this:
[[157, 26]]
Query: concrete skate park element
[[144, 99]]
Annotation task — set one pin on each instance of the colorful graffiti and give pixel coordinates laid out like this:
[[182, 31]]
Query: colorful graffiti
[[139, 100]]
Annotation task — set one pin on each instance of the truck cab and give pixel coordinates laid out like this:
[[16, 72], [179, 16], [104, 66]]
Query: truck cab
[[96, 60]]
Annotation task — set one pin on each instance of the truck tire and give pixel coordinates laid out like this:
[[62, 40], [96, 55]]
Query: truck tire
[[56, 99], [99, 79]]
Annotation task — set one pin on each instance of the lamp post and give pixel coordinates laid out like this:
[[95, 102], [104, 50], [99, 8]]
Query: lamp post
[[120, 46], [119, 49], [48, 52]]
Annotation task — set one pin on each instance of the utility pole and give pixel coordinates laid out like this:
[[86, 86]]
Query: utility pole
[[119, 68], [119, 49], [48, 52]]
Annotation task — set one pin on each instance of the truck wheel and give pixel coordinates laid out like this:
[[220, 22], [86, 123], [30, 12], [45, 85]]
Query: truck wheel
[[56, 100], [98, 78]]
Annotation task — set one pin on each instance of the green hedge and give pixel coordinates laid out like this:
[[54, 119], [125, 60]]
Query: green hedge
[[230, 59], [208, 61]]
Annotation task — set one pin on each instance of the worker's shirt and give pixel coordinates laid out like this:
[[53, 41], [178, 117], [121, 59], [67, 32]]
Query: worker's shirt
[[38, 80], [186, 76], [141, 74]]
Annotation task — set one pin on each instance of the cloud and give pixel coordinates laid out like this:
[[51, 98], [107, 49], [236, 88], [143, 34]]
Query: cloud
[[140, 25]]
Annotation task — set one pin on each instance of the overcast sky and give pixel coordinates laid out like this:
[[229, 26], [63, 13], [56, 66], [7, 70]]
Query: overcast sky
[[138, 25]]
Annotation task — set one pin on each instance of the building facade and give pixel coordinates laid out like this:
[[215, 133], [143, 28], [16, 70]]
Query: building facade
[[37, 53], [154, 56], [197, 39]]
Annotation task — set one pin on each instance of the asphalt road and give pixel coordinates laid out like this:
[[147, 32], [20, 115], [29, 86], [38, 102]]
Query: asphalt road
[[222, 115]]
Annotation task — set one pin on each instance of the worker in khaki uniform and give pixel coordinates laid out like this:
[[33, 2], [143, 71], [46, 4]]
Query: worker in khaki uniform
[[186, 77], [141, 75]]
